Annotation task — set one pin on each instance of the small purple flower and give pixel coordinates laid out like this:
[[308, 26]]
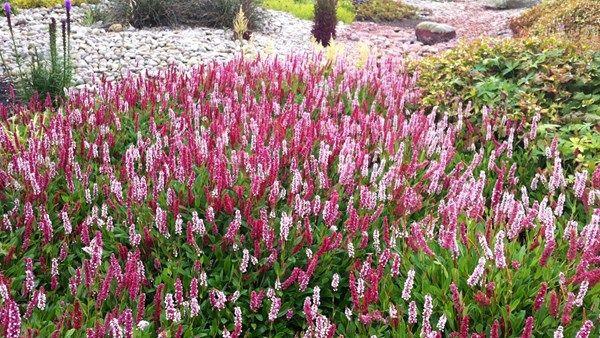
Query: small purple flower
[[68, 6], [7, 9], [7, 12]]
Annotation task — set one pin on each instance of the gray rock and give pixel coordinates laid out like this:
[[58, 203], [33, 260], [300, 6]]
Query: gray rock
[[431, 33], [510, 4]]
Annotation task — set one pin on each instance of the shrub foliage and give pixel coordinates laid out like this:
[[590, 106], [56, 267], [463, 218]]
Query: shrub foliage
[[384, 11], [523, 76]]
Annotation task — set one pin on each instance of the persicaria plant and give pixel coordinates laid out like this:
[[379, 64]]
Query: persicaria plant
[[288, 197]]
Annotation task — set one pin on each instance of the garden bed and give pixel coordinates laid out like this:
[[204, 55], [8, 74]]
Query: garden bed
[[99, 53], [290, 196]]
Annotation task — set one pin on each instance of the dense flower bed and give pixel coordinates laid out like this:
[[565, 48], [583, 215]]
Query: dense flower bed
[[277, 197]]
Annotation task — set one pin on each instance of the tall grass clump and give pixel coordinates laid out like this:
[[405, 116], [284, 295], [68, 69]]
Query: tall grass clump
[[205, 13]]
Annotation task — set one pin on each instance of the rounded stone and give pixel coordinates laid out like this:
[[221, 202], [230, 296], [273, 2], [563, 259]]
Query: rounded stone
[[431, 33]]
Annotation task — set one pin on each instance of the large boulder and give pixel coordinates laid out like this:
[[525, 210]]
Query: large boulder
[[431, 33], [509, 4]]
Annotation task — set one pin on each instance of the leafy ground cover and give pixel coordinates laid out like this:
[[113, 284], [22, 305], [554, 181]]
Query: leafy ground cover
[[281, 197], [550, 77]]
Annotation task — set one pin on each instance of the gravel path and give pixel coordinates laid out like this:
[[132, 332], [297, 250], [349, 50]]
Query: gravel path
[[472, 19], [97, 52]]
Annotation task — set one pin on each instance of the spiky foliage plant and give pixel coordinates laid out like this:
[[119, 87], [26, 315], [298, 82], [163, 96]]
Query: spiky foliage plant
[[45, 76], [205, 13]]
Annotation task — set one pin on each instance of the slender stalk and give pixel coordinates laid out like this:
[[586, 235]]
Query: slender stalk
[[64, 41], [68, 28], [8, 13], [53, 47]]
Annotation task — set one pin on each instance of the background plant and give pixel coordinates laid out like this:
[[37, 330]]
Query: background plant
[[240, 25], [96, 14], [521, 78], [384, 11], [206, 13], [221, 13], [574, 19]]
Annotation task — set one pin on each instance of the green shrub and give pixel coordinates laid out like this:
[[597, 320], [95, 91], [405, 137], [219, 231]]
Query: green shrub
[[581, 141], [206, 13], [576, 19], [520, 78], [324, 29], [305, 9], [384, 11]]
